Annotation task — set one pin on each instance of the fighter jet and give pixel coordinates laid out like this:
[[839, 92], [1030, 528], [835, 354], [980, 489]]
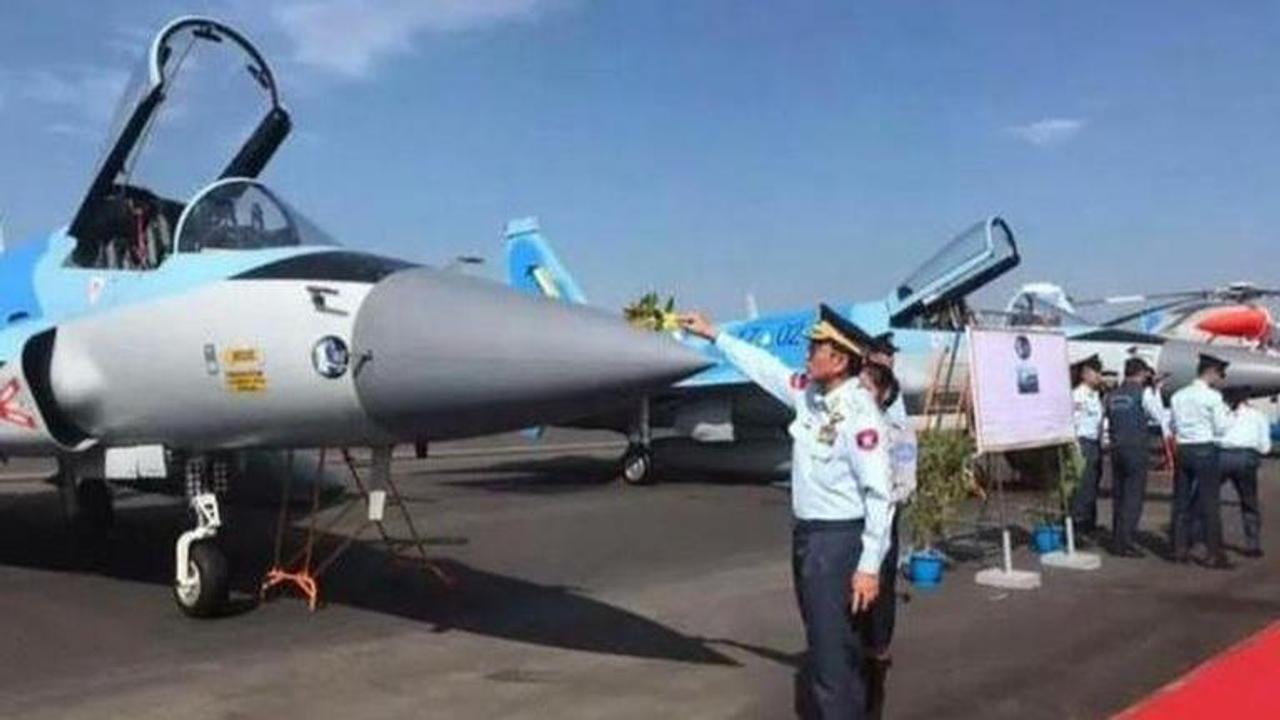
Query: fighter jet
[[927, 312], [160, 334]]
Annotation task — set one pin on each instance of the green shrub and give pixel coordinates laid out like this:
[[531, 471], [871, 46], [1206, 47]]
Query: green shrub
[[944, 478]]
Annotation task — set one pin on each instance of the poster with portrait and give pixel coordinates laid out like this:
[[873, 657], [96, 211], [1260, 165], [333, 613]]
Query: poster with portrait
[[1021, 389]]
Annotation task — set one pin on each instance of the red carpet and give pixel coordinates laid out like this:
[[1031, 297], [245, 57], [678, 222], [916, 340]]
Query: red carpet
[[1242, 683]]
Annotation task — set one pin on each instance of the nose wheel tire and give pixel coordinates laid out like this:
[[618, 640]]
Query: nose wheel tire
[[207, 594], [637, 465]]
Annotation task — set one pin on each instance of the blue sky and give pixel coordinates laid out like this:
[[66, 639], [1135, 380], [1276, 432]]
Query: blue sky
[[802, 151]]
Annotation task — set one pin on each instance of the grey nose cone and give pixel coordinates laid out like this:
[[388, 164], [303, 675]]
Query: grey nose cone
[[441, 355], [1257, 370]]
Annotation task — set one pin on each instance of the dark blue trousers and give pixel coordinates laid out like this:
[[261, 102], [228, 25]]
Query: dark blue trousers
[[1128, 492], [1084, 505], [1241, 468], [1196, 492], [876, 628], [824, 556]]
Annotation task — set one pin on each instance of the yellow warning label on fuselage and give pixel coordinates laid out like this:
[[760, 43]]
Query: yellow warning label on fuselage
[[242, 357], [246, 381]]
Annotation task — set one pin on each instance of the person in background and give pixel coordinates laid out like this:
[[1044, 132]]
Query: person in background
[[1244, 444], [1156, 393], [876, 626], [1087, 402], [1130, 409], [1200, 419]]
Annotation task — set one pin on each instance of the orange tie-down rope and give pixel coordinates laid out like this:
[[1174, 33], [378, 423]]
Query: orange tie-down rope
[[303, 579], [306, 578]]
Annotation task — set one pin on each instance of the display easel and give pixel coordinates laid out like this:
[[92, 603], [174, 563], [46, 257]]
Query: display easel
[[1005, 576], [1070, 558], [303, 571]]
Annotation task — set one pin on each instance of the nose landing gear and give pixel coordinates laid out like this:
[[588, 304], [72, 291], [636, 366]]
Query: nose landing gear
[[201, 577]]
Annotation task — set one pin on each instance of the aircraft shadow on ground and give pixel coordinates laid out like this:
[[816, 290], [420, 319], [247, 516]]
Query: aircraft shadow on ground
[[33, 534], [576, 473]]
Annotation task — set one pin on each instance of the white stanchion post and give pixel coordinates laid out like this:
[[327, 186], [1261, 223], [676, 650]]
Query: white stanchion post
[[1071, 559]]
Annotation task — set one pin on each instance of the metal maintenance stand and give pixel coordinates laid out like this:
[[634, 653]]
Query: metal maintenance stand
[[303, 571]]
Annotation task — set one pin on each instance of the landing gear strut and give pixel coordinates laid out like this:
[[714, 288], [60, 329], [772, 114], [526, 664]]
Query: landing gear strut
[[637, 461], [201, 577], [87, 502]]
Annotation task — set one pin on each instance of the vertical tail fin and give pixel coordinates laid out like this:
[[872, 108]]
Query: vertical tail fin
[[532, 266]]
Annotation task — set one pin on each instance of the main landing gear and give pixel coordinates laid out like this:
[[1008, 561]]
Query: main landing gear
[[87, 502], [637, 461]]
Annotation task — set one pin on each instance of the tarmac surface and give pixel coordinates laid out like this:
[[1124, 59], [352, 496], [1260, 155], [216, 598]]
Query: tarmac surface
[[573, 597]]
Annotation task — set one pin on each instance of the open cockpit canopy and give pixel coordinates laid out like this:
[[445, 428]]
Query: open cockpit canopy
[[977, 256], [203, 106]]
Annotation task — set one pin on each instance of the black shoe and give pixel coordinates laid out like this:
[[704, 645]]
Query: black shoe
[[1128, 552], [1182, 558], [1220, 562], [1253, 553]]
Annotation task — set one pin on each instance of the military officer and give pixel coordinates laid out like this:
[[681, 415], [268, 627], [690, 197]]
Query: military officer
[[1199, 418], [1130, 410], [1087, 402], [840, 473], [1244, 445]]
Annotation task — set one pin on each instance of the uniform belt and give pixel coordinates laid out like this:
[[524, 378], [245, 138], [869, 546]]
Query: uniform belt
[[1083, 439], [821, 525], [1198, 446]]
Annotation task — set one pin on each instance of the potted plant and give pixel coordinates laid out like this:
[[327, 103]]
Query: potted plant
[[1064, 471], [944, 478]]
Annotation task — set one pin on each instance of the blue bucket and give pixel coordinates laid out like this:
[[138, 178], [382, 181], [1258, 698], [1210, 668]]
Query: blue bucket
[[926, 568], [1048, 538]]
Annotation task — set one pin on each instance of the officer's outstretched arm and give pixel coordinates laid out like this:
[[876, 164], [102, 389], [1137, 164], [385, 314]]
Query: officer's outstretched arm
[[762, 367], [869, 458]]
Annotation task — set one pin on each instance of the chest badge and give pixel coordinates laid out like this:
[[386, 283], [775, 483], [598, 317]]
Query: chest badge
[[868, 439]]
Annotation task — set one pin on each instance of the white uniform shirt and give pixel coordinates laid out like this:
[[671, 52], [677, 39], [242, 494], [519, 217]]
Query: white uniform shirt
[[1199, 414], [1156, 410], [1088, 412], [840, 465], [1250, 430]]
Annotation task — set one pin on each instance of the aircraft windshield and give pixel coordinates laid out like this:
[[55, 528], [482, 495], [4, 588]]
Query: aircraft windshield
[[974, 258], [244, 215], [1033, 310]]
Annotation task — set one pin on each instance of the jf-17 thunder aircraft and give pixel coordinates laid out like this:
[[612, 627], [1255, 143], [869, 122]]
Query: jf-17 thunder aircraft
[[160, 338], [701, 418]]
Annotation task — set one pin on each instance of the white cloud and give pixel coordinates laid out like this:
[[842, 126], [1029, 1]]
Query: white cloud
[[1049, 131], [349, 37], [84, 94]]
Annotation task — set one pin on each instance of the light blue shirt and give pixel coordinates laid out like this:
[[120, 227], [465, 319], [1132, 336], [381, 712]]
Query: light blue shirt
[[1250, 430], [1199, 415], [840, 464], [1088, 415]]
